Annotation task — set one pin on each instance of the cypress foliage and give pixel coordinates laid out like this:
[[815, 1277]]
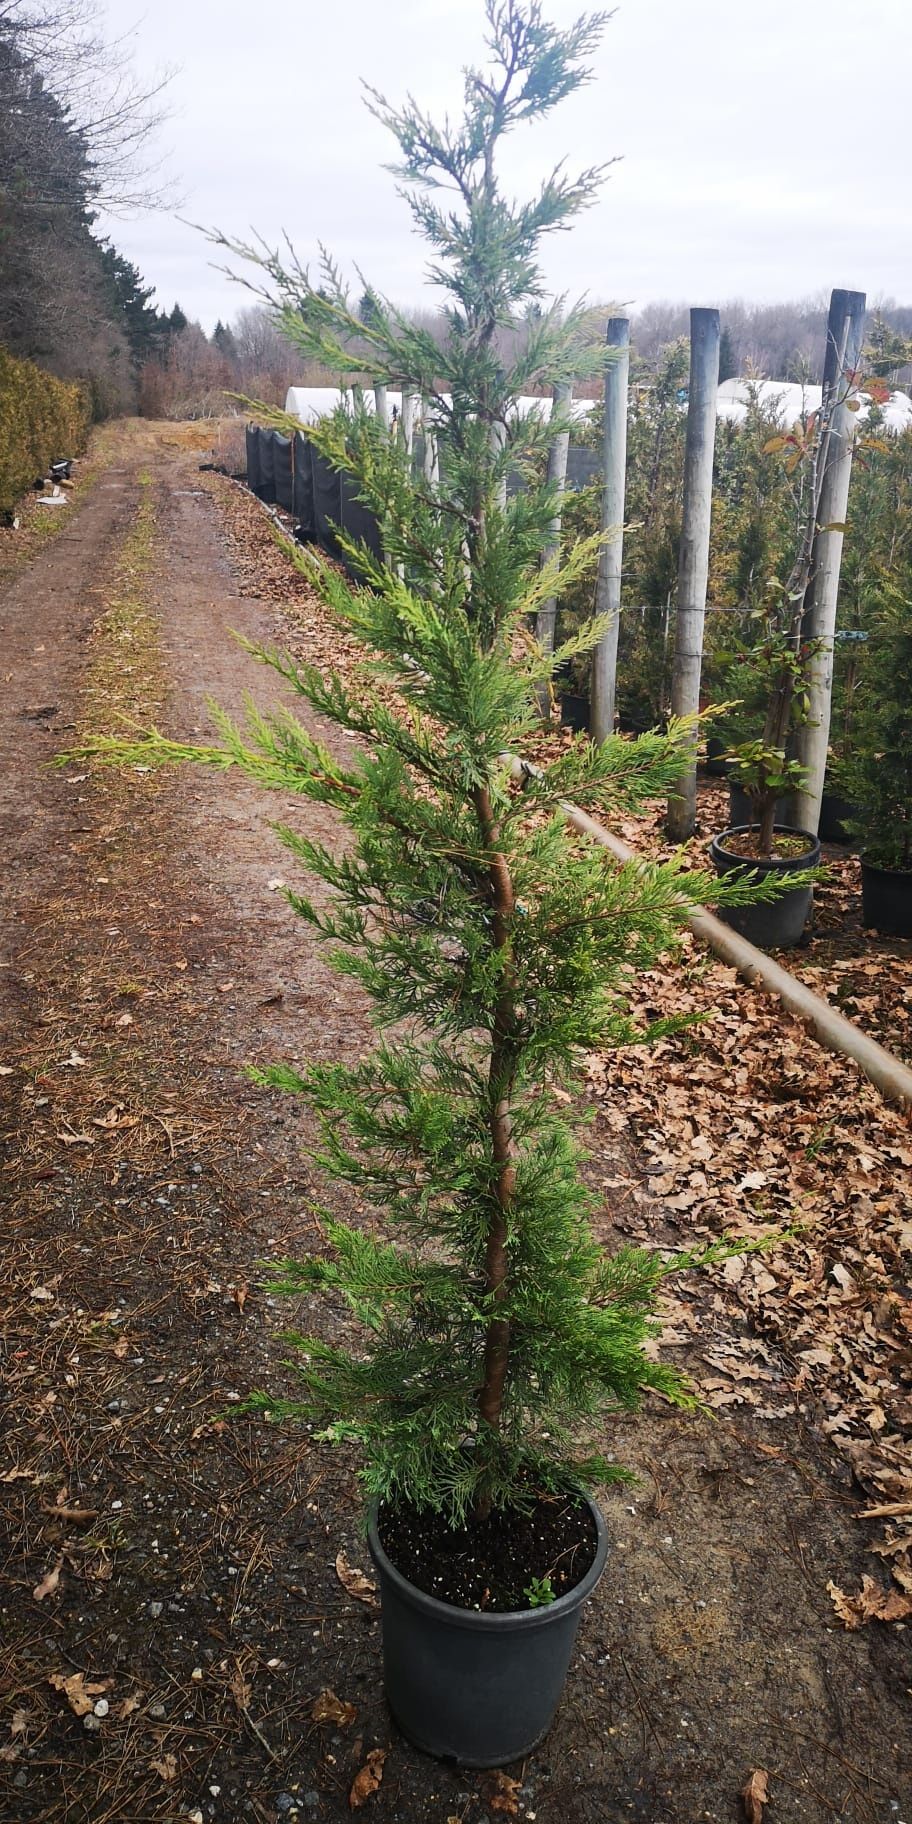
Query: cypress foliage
[[494, 947]]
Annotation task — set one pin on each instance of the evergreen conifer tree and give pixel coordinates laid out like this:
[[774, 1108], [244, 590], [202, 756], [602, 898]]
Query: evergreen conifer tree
[[494, 947]]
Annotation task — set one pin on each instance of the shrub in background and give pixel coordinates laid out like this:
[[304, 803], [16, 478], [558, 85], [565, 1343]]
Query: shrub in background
[[41, 420]]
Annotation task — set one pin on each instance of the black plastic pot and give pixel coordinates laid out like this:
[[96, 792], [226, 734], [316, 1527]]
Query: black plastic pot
[[715, 763], [469, 1687], [779, 923], [834, 812], [637, 725], [741, 811], [886, 900], [575, 711]]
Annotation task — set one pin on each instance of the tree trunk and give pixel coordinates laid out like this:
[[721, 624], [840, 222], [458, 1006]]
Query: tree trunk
[[503, 1149], [845, 333], [611, 555], [557, 477], [693, 567]]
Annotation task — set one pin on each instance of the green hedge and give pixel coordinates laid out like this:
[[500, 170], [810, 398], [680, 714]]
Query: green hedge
[[41, 421]]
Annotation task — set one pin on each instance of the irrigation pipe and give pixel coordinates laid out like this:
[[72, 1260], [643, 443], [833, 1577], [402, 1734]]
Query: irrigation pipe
[[831, 1029]]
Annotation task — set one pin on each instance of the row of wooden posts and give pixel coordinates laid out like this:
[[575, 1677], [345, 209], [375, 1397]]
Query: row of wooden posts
[[845, 331], [844, 337]]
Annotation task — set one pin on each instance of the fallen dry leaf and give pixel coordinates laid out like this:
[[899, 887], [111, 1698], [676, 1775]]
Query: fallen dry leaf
[[356, 1582], [368, 1779], [48, 1583], [755, 1794], [328, 1708], [19, 1722], [10, 1752], [79, 1692], [115, 1120], [505, 1794], [871, 1603], [127, 1706], [239, 1688], [78, 1516], [166, 1768]]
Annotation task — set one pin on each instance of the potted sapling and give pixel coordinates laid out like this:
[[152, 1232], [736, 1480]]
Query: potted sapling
[[763, 773], [475, 1335], [760, 779]]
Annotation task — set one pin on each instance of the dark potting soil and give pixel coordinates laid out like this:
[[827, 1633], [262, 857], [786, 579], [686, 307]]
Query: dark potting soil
[[493, 1564], [784, 846]]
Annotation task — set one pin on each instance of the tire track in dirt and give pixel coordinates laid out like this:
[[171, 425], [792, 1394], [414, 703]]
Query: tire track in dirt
[[46, 615]]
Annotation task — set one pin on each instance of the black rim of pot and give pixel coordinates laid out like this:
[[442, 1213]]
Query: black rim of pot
[[877, 867], [478, 1618], [766, 861]]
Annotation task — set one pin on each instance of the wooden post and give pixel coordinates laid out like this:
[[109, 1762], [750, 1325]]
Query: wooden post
[[498, 444], [845, 334], [611, 555], [381, 405], [693, 563], [407, 420], [431, 455], [557, 477]]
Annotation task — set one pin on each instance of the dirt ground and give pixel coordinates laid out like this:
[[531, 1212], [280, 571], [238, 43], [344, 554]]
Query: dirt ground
[[171, 1609]]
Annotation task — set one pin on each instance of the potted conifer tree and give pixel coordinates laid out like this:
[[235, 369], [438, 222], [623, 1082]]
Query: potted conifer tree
[[878, 772], [483, 1334], [763, 774]]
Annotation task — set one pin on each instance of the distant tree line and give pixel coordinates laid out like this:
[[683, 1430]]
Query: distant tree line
[[75, 132], [783, 341]]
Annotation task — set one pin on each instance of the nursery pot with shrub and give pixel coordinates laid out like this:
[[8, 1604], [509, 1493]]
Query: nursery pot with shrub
[[762, 848], [759, 844], [475, 1336]]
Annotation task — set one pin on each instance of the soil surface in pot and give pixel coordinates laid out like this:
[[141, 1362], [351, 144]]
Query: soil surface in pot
[[784, 847], [492, 1564]]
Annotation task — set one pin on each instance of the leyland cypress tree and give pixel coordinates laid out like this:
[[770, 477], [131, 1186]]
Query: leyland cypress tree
[[494, 947]]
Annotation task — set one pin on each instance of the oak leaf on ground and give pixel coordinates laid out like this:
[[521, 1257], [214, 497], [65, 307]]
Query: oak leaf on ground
[[755, 1794], [871, 1603], [505, 1796], [79, 1691], [328, 1708], [356, 1582], [367, 1780]]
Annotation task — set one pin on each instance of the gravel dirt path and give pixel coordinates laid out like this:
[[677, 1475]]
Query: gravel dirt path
[[170, 1607]]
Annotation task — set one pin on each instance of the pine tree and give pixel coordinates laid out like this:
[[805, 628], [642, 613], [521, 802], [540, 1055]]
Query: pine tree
[[495, 949], [146, 328], [728, 360]]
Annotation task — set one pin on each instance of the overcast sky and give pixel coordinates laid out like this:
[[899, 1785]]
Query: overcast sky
[[764, 145]]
